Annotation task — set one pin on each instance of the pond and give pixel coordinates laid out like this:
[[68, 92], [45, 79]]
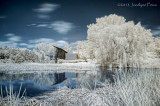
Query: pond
[[34, 84]]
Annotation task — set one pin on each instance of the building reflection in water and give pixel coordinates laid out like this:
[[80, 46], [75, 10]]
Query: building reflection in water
[[36, 83]]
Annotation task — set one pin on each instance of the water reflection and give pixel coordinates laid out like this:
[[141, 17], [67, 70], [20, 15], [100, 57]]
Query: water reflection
[[59, 77], [37, 83], [94, 79], [43, 81]]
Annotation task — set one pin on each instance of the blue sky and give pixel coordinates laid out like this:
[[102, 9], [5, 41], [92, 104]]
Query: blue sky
[[23, 23]]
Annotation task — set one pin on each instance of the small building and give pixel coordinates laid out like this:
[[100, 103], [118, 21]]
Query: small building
[[59, 54]]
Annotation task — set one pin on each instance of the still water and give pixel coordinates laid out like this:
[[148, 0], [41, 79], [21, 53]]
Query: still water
[[34, 84]]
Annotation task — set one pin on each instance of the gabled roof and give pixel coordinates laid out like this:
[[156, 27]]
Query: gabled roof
[[60, 49]]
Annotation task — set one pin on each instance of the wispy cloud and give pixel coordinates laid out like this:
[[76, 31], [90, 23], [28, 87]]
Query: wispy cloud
[[156, 32], [32, 43], [3, 17], [12, 40], [158, 27], [73, 45], [61, 43], [43, 16], [27, 45], [47, 8], [12, 37], [8, 43], [145, 26], [41, 40], [61, 27], [44, 10], [31, 24], [42, 25]]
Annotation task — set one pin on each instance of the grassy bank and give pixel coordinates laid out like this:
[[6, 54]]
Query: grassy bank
[[135, 88]]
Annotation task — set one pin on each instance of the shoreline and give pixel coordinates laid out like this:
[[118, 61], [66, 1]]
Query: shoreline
[[46, 67], [49, 67]]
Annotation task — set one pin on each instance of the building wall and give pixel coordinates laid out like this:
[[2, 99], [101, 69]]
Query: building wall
[[71, 56], [60, 54]]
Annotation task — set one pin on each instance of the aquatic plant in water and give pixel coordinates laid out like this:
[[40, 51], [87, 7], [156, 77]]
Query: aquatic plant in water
[[12, 99]]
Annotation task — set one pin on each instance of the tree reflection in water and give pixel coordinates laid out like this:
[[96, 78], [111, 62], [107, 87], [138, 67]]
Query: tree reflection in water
[[37, 83]]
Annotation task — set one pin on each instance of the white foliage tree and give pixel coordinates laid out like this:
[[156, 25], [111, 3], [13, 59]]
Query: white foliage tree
[[42, 50], [85, 50], [155, 47], [114, 42], [68, 48], [17, 55]]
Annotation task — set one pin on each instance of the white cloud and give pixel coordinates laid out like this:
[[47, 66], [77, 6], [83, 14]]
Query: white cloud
[[23, 44], [61, 43], [145, 26], [158, 27], [8, 43], [3, 17], [27, 45], [155, 32], [61, 27], [12, 37], [42, 40], [31, 25], [47, 8], [12, 40], [43, 16], [73, 45], [42, 25]]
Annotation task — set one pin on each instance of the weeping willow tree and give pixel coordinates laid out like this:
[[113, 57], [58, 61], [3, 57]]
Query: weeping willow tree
[[116, 42]]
